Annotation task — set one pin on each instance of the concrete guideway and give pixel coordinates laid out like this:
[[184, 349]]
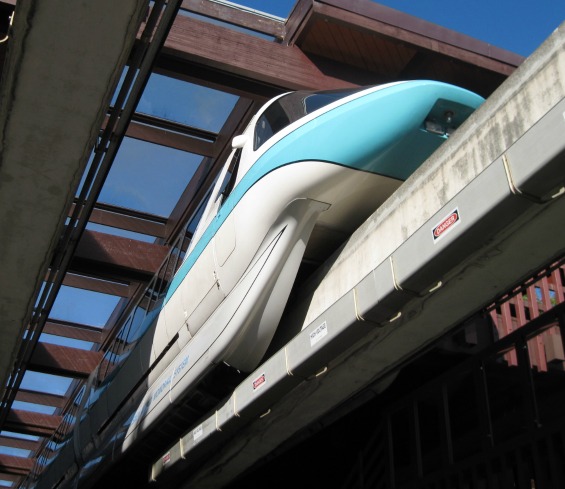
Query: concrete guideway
[[48, 125], [502, 171]]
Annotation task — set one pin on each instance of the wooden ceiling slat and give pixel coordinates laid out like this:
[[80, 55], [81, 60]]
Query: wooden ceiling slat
[[115, 257], [14, 478], [400, 55], [126, 219], [10, 464], [43, 398], [343, 38], [323, 50], [8, 441], [31, 423], [314, 43], [329, 45], [359, 45], [368, 44], [387, 56], [396, 58], [170, 139], [72, 330], [64, 360], [393, 56], [97, 285], [419, 33]]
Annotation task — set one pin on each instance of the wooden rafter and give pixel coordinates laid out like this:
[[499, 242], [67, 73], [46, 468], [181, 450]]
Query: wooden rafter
[[64, 360], [109, 287], [9, 441], [115, 257], [10, 464], [76, 331], [42, 398], [31, 423]]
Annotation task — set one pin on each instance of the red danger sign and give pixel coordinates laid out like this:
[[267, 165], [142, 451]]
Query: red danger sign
[[446, 225], [259, 381]]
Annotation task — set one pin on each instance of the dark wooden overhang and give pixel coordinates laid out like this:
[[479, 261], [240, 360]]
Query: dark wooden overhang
[[11, 466], [118, 258], [378, 44], [330, 44], [31, 423], [14, 466]]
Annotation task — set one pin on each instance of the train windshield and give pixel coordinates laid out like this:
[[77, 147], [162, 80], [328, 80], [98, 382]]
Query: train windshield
[[291, 107]]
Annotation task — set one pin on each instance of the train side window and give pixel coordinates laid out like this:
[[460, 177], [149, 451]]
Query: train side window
[[231, 176], [271, 121], [291, 107]]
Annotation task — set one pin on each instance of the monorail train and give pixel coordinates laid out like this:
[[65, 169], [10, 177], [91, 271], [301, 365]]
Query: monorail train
[[306, 172]]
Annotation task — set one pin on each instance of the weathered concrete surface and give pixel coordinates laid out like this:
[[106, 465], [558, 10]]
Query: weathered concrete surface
[[536, 87], [64, 60], [529, 242]]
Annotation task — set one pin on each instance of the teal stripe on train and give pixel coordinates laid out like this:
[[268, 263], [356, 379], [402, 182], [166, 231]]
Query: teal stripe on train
[[378, 132]]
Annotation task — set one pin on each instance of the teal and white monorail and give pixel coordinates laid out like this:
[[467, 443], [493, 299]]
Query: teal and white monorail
[[307, 171]]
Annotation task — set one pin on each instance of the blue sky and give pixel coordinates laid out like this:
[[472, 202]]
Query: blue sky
[[519, 26]]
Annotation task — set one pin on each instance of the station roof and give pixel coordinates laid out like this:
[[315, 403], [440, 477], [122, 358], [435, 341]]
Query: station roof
[[114, 124]]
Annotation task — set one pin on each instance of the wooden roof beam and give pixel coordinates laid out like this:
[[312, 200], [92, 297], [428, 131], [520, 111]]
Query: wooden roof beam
[[63, 360], [13, 478], [31, 423], [118, 258], [170, 133], [9, 441], [170, 138], [109, 287], [42, 398], [418, 33], [127, 219], [12, 465], [75, 331], [297, 21]]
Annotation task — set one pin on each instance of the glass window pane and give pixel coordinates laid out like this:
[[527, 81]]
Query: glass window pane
[[35, 408], [148, 177], [21, 436], [15, 452], [186, 103], [46, 383], [83, 306]]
